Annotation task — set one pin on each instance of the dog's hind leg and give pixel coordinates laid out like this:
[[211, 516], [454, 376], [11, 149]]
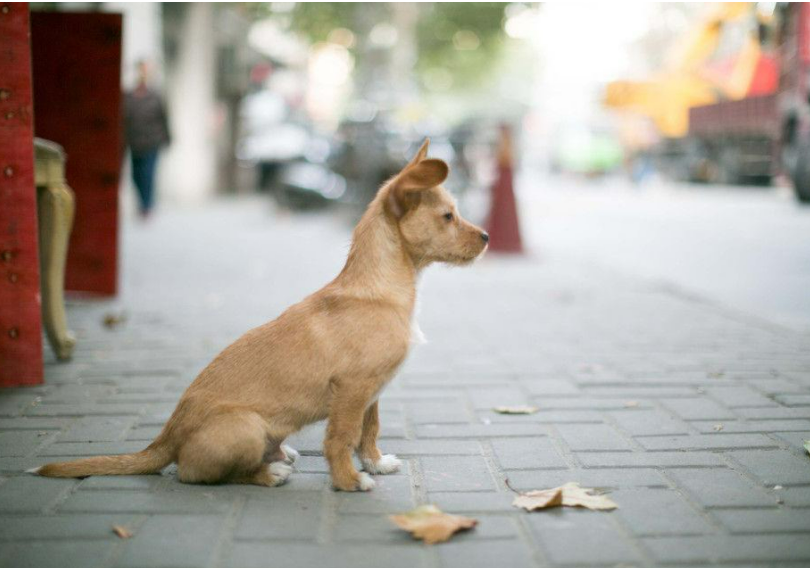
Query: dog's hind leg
[[229, 446], [370, 456]]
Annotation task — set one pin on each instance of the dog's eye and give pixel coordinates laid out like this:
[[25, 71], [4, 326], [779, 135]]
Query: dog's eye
[[448, 216]]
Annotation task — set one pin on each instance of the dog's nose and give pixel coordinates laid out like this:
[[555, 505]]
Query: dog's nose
[[485, 237]]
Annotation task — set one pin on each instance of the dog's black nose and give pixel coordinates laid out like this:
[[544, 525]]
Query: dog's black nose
[[485, 237]]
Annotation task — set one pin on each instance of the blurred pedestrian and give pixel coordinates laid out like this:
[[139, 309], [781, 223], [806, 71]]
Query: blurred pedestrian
[[146, 129]]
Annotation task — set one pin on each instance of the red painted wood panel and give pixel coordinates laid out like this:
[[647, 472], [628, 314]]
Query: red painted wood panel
[[77, 103], [20, 310]]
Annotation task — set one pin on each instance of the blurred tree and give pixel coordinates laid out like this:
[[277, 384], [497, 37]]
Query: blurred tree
[[456, 43]]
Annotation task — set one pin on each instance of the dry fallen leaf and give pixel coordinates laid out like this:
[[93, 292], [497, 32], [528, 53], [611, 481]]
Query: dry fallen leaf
[[718, 427], [113, 319], [572, 496], [631, 404], [516, 409], [121, 532], [430, 524], [534, 500]]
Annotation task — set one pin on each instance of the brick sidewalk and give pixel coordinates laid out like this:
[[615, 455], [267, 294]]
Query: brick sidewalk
[[690, 415]]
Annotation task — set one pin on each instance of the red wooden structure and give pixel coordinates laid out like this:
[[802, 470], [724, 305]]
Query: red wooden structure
[[20, 316], [77, 103]]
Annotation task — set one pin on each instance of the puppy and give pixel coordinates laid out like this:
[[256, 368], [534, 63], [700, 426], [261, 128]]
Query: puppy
[[327, 357]]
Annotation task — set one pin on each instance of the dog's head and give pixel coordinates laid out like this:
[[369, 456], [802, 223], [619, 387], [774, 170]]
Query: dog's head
[[426, 214]]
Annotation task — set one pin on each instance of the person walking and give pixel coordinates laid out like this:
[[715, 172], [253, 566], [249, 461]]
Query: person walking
[[146, 129]]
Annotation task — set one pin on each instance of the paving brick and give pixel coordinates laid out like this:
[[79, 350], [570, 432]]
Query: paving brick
[[715, 441], [794, 399], [721, 488], [173, 541], [651, 459], [112, 501], [20, 443], [90, 448], [592, 437], [97, 429], [752, 426], [561, 534], [456, 474], [697, 409], [473, 501], [432, 447], [480, 430], [776, 412], [535, 453], [40, 527], [490, 398], [541, 386], [449, 412], [648, 512], [392, 493], [290, 516], [739, 397], [30, 494], [759, 521], [294, 555], [794, 439], [470, 554], [648, 422], [55, 554], [597, 478], [775, 467], [27, 423], [713, 549]]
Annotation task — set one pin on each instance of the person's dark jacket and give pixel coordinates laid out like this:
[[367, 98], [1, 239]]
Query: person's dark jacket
[[146, 127]]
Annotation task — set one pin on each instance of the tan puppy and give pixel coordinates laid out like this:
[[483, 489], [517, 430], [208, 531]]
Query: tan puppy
[[327, 357]]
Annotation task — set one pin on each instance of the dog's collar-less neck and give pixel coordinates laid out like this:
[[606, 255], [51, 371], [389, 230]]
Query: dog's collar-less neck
[[378, 267]]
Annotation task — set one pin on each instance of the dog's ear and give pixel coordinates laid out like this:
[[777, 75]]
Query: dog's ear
[[421, 154], [405, 190]]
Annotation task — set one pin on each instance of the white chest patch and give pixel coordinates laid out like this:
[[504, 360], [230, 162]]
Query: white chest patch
[[417, 337]]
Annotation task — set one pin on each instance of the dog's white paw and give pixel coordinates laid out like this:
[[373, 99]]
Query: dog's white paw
[[280, 472], [365, 483], [33, 470], [389, 463], [291, 453]]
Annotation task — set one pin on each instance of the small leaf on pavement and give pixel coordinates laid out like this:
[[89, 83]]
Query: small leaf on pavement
[[534, 500], [631, 404], [121, 532], [516, 409], [572, 496], [430, 524], [718, 427]]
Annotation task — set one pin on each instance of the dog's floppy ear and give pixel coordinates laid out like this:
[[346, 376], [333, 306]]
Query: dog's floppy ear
[[418, 176]]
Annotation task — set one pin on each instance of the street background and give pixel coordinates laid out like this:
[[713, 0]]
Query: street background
[[658, 314]]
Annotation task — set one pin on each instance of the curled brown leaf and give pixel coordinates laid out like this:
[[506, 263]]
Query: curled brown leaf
[[430, 524]]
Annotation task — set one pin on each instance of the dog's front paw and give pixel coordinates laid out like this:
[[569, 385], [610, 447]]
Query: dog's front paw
[[280, 472], [290, 454], [364, 482], [389, 463]]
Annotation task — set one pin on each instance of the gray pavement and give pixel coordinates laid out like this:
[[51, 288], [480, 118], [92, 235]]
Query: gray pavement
[[689, 413]]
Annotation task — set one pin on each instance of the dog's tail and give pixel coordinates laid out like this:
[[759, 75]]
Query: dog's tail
[[151, 460]]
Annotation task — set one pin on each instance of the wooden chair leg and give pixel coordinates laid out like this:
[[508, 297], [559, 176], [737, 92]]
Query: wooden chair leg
[[56, 208]]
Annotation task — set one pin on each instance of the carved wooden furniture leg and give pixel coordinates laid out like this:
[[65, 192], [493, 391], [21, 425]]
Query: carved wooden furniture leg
[[56, 206]]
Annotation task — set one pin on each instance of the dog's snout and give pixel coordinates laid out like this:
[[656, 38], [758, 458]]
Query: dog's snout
[[485, 237]]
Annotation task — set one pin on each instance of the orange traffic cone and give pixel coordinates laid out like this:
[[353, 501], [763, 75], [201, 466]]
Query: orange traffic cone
[[503, 225]]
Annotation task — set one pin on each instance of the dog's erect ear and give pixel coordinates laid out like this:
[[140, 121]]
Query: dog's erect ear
[[415, 178], [423, 175], [421, 154]]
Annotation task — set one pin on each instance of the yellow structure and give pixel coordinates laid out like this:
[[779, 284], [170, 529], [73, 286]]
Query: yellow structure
[[666, 99]]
